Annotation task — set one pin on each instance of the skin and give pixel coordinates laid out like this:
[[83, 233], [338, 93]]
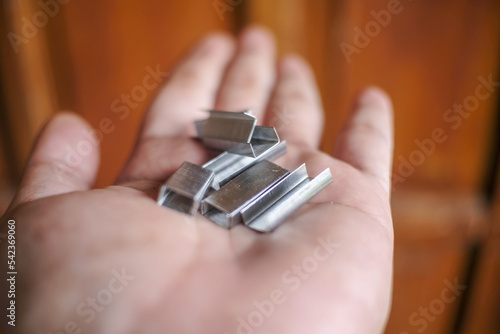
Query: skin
[[190, 275]]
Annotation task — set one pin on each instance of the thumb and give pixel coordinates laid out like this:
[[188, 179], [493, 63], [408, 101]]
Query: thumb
[[65, 158]]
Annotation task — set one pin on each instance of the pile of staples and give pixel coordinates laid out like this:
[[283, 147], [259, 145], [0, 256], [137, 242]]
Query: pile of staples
[[241, 185]]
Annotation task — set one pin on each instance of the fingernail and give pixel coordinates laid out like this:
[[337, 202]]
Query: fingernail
[[291, 63], [213, 41], [375, 95], [254, 37]]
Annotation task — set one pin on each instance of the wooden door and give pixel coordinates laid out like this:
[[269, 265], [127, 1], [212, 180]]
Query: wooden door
[[437, 59]]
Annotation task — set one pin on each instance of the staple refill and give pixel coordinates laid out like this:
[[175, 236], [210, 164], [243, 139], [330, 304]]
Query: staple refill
[[227, 166], [185, 189], [263, 196], [225, 205], [236, 132]]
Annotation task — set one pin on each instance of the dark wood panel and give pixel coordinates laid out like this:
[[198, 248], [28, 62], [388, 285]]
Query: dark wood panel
[[29, 91], [482, 313], [6, 184], [427, 64], [434, 231], [484, 308]]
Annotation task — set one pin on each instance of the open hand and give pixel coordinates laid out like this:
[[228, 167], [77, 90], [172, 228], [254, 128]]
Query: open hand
[[112, 261]]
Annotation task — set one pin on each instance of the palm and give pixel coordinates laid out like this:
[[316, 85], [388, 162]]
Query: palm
[[327, 269]]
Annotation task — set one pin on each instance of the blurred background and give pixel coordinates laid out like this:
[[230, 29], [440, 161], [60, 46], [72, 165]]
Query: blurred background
[[438, 59]]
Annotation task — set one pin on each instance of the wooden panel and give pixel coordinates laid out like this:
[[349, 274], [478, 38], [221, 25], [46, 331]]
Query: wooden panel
[[428, 57], [484, 306], [482, 315], [113, 45], [433, 234], [29, 91], [420, 276], [6, 187]]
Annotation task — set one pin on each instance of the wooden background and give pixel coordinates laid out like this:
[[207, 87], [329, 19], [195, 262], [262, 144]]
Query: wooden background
[[428, 57]]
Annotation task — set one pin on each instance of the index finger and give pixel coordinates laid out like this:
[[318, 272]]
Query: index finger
[[191, 88]]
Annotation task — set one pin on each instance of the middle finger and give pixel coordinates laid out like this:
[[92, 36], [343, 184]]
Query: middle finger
[[250, 77]]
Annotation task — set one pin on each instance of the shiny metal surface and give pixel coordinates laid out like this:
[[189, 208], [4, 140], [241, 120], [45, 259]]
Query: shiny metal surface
[[288, 204], [230, 126], [240, 184], [251, 211], [224, 206], [227, 165], [236, 132], [185, 189]]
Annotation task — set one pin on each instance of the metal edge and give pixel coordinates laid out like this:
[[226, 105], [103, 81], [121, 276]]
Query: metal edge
[[196, 199], [233, 214], [273, 194], [291, 202], [227, 166]]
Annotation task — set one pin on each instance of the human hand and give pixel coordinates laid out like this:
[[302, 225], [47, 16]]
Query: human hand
[[112, 261]]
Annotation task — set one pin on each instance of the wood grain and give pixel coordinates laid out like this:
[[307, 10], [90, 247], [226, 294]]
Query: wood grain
[[29, 90], [481, 314], [428, 58], [434, 231]]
